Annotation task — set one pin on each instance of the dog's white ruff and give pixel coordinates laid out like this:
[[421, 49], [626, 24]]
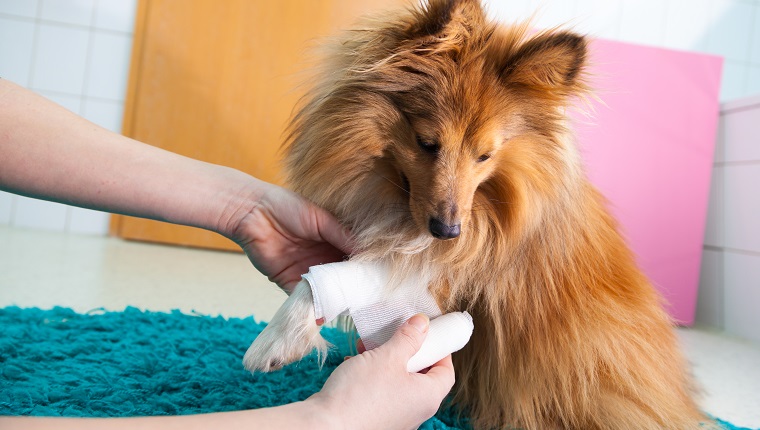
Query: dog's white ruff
[[379, 305]]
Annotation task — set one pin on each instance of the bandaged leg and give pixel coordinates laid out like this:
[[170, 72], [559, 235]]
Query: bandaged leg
[[379, 306]]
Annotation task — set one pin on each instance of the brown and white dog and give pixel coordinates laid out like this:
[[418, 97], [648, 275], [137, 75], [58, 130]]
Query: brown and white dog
[[441, 140]]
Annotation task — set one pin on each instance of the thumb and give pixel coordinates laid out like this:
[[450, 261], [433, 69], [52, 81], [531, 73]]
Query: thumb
[[330, 230], [408, 338]]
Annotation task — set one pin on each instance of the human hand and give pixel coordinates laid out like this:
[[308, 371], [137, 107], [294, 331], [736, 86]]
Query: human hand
[[373, 390], [284, 234]]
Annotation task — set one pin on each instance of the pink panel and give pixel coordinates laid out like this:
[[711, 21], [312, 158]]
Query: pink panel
[[649, 148]]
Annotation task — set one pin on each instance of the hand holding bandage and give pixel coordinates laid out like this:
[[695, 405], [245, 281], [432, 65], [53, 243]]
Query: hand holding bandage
[[363, 291]]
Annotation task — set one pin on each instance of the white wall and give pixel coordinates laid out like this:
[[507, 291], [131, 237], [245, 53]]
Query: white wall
[[729, 28], [76, 53], [729, 290]]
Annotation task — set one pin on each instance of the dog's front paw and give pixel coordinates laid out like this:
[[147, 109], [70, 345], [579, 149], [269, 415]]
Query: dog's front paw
[[273, 349], [292, 334]]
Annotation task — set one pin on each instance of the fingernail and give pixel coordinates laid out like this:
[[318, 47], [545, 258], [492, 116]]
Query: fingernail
[[420, 321]]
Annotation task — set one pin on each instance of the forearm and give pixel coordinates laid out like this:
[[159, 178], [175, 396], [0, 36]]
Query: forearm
[[47, 152], [298, 415]]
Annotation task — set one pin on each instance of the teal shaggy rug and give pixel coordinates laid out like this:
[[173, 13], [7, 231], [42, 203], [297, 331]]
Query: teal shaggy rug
[[134, 363]]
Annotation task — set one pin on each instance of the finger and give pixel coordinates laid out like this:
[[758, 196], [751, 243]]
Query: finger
[[445, 361], [441, 374], [332, 232], [360, 348], [444, 364], [408, 338]]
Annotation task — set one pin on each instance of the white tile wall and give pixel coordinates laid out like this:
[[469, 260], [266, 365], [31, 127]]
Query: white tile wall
[[753, 83], [741, 129], [710, 301], [644, 21], [548, 16], [60, 59], [88, 221], [70, 102], [25, 8], [741, 198], [600, 18], [729, 290], [77, 12], [6, 207], [716, 209], [742, 294], [116, 15], [39, 214], [16, 48], [76, 53], [105, 113], [735, 76], [755, 42], [730, 28], [108, 70], [687, 21]]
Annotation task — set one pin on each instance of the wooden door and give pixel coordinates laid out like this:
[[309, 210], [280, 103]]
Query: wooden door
[[217, 81]]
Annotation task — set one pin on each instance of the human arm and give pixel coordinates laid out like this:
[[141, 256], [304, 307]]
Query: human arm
[[298, 415], [50, 153]]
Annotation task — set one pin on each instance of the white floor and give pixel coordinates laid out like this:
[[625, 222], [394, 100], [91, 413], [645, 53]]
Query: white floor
[[44, 269]]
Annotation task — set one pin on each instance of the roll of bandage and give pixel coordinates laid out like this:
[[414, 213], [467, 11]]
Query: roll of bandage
[[447, 334]]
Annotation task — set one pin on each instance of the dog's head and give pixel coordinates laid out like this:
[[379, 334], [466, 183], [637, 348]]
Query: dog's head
[[449, 109]]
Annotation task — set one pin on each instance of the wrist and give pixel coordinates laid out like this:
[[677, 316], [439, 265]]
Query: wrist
[[240, 200], [321, 414]]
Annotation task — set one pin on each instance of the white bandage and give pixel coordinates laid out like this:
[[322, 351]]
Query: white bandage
[[364, 291]]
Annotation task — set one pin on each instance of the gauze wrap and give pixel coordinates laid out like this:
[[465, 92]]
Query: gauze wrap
[[363, 291], [379, 305]]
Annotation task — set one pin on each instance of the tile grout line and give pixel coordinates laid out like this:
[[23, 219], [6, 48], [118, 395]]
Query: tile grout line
[[737, 163], [731, 250], [88, 60], [83, 98], [35, 45], [38, 20]]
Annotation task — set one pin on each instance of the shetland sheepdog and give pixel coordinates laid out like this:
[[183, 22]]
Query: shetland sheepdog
[[440, 139]]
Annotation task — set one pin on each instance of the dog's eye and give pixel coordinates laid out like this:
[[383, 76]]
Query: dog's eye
[[429, 146], [483, 158]]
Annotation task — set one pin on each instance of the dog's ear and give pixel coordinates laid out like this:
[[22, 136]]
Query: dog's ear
[[445, 18], [551, 61], [434, 30]]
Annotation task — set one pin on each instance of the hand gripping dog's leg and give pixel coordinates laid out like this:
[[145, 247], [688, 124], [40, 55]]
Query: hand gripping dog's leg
[[292, 333]]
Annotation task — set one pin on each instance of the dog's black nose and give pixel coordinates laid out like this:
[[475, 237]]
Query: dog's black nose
[[439, 230]]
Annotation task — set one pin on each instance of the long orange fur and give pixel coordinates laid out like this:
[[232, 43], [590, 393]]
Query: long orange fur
[[569, 333]]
